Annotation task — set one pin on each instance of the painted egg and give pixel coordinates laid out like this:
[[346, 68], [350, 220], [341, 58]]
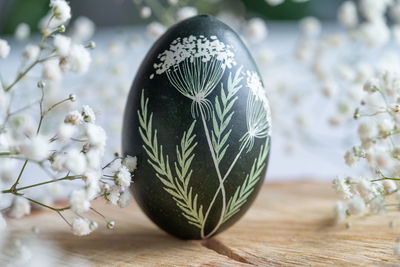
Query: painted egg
[[198, 120]]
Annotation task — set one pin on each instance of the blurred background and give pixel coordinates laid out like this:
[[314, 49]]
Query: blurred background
[[314, 57], [106, 13]]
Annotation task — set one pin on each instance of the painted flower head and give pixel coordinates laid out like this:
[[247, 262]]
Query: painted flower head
[[194, 66], [258, 114], [193, 47]]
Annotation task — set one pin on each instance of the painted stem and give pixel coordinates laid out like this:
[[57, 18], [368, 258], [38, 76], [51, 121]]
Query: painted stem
[[221, 186]]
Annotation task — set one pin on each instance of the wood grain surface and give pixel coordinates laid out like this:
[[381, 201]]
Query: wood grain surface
[[289, 224]]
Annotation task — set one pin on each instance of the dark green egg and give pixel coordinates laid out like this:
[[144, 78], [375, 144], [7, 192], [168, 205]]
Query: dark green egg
[[198, 120]]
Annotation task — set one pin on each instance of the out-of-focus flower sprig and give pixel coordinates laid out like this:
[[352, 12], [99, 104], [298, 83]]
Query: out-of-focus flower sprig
[[378, 149], [71, 148]]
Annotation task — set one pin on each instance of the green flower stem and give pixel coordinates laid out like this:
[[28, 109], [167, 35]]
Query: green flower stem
[[221, 186], [386, 178], [39, 184]]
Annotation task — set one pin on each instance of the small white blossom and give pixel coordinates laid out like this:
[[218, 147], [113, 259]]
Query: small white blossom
[[347, 14], [130, 163], [377, 206], [371, 86], [65, 131], [385, 126], [145, 12], [382, 159], [356, 206], [88, 114], [22, 31], [51, 70], [79, 201], [341, 185], [61, 10], [74, 117], [389, 185], [186, 12], [257, 29], [83, 29], [113, 194], [62, 44], [93, 157], [155, 29], [81, 226], [350, 158], [96, 136], [4, 48], [79, 58], [367, 130], [123, 177], [75, 161], [20, 207], [310, 26], [374, 34], [37, 148], [124, 199], [31, 52]]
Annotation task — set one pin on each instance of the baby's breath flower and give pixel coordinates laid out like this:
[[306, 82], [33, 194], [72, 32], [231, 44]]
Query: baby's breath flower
[[123, 177], [130, 163], [124, 199], [31, 52], [62, 44], [367, 130], [113, 194], [350, 158], [155, 29], [65, 131], [61, 10], [79, 59], [82, 29], [341, 185], [356, 206], [20, 207], [79, 201], [310, 26], [22, 31], [110, 225], [257, 29], [186, 12], [4, 48], [75, 162], [74, 118], [81, 226], [347, 14], [36, 148], [145, 12], [371, 86], [96, 136], [377, 206], [88, 114], [51, 70], [389, 185]]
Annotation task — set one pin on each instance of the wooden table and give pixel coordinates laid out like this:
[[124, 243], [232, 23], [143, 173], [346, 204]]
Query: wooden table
[[289, 224]]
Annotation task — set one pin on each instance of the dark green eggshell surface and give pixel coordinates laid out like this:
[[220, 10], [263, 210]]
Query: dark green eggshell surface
[[174, 199]]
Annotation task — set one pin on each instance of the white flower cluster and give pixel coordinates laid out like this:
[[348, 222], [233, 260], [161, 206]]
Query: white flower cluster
[[378, 134], [192, 47], [73, 149]]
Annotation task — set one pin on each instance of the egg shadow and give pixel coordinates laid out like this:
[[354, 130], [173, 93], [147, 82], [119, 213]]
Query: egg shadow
[[140, 241]]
